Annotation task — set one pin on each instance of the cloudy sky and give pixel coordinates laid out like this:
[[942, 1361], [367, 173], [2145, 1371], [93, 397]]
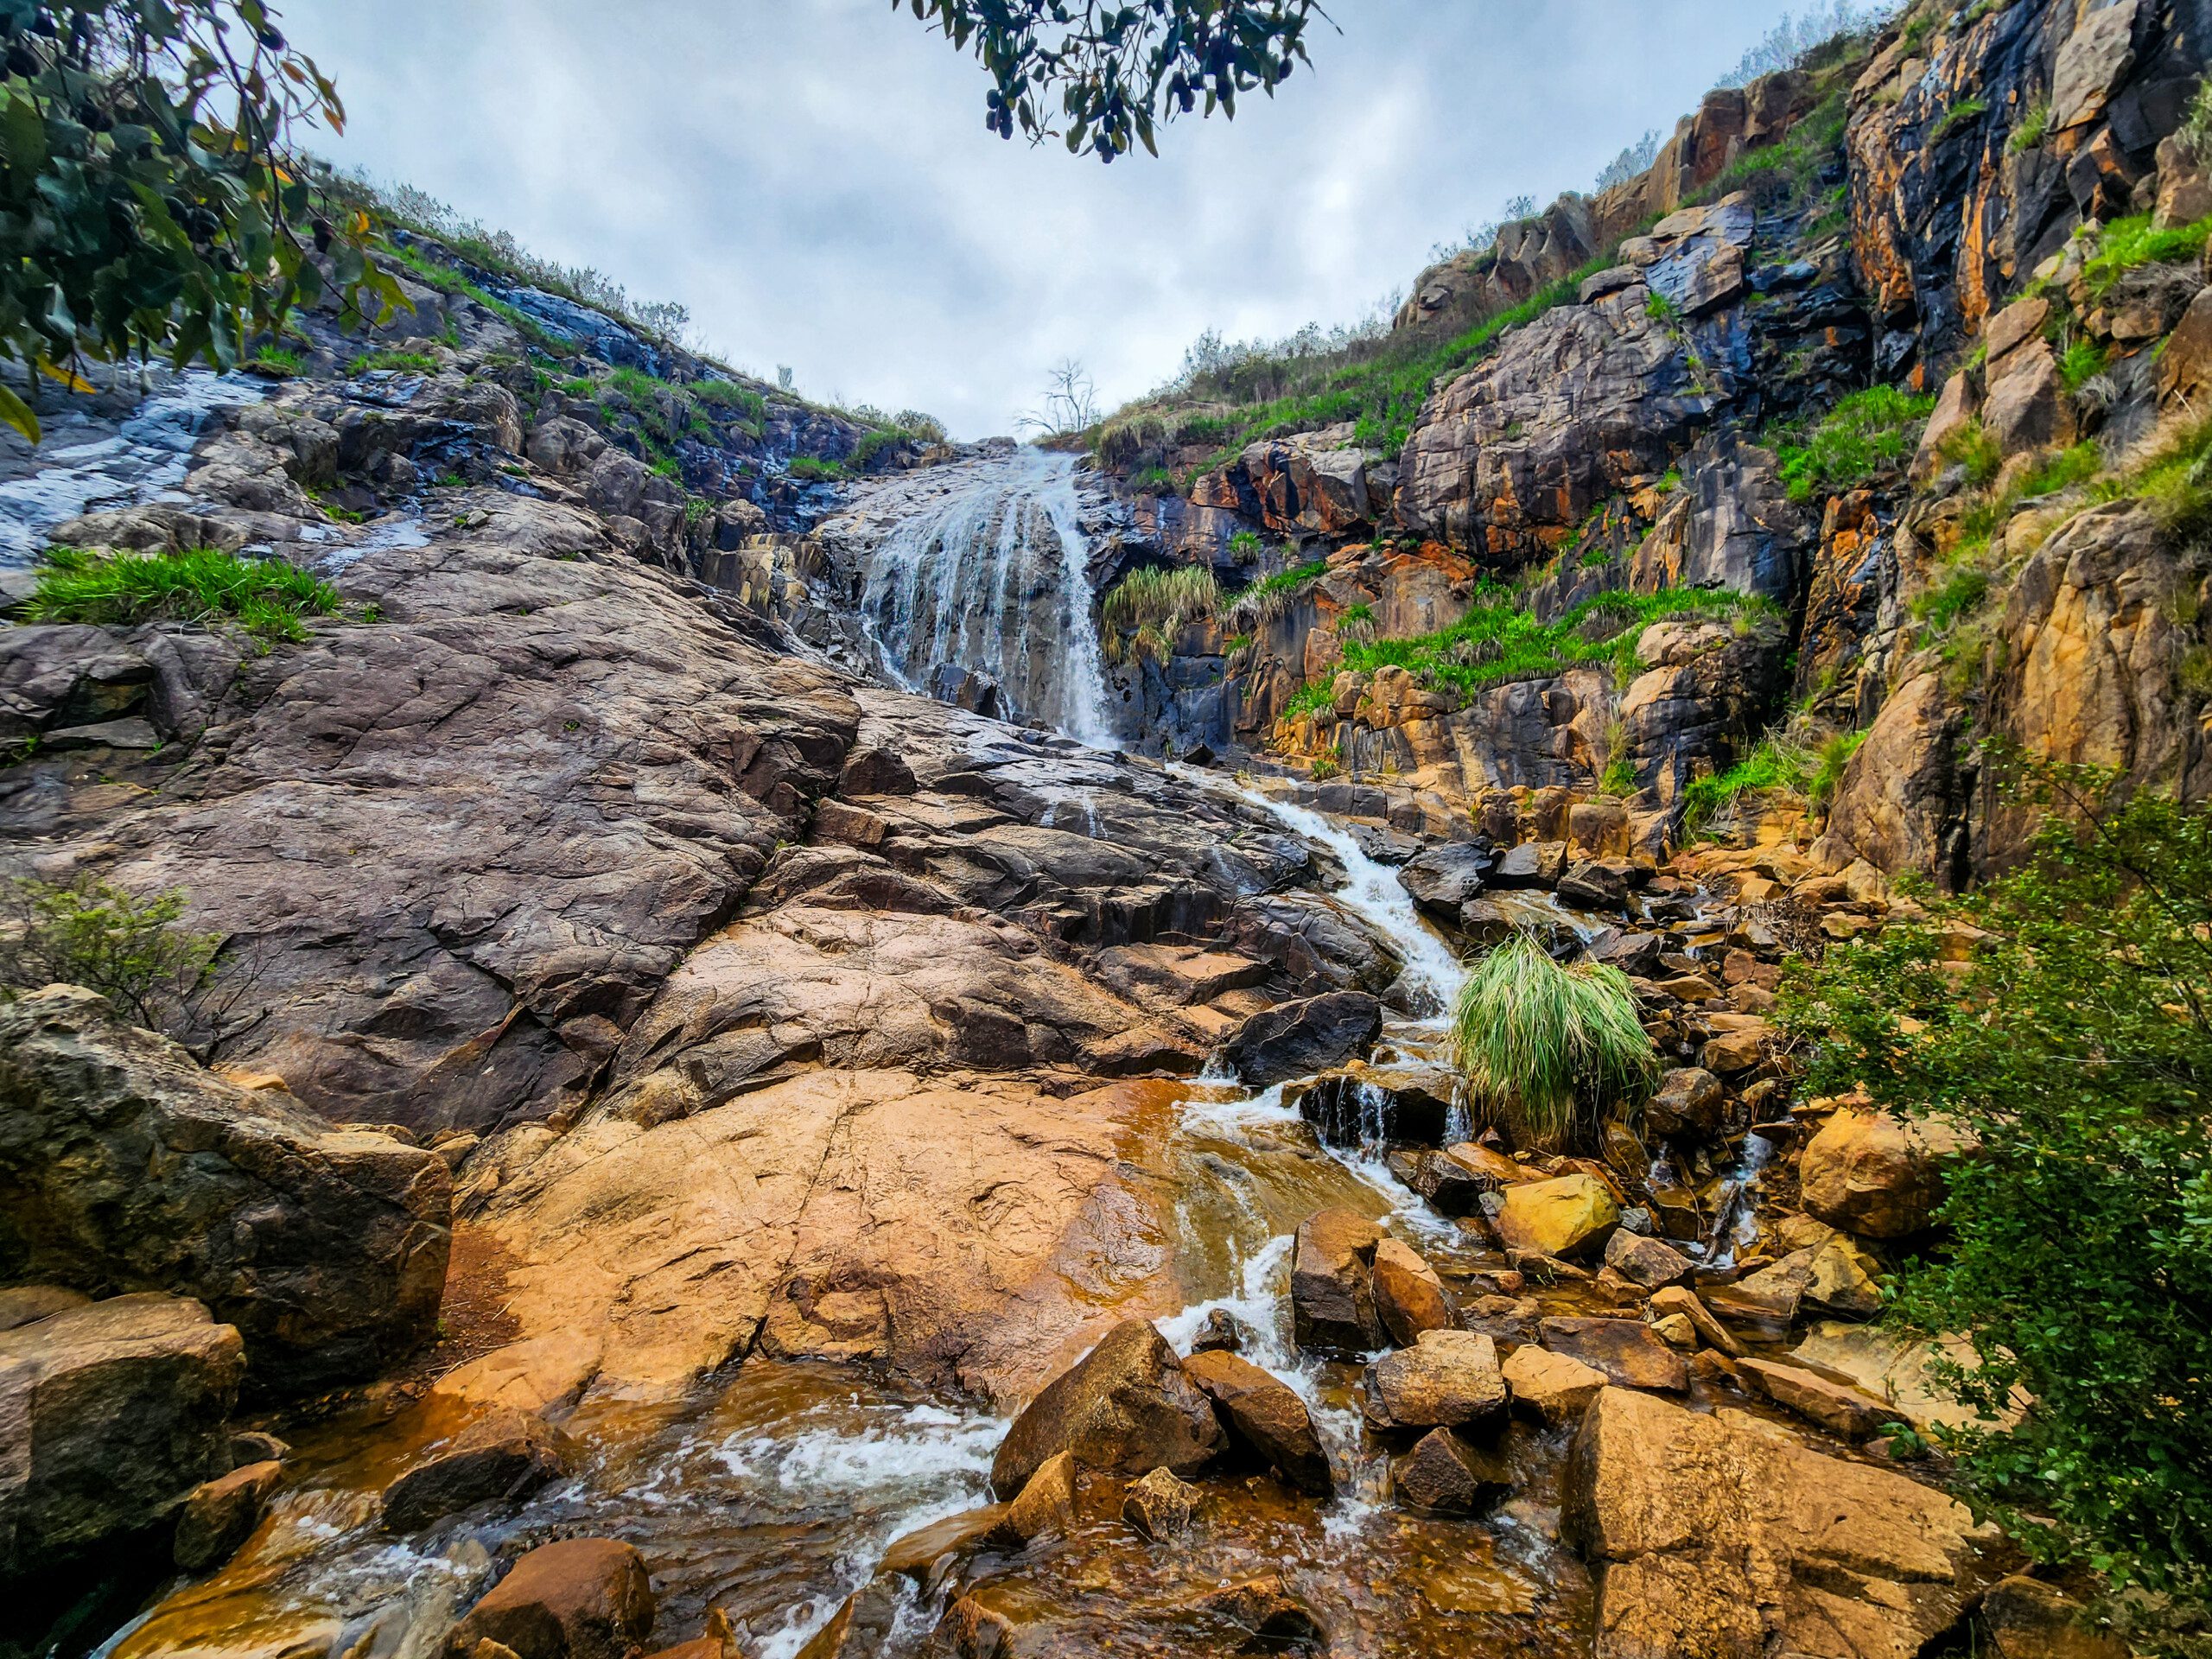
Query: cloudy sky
[[812, 178]]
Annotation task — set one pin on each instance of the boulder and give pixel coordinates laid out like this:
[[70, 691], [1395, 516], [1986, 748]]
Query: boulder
[[1628, 1351], [1844, 1279], [1333, 1285], [1688, 1102], [124, 1165], [1047, 1501], [1646, 1262], [1450, 1187], [1365, 1105], [581, 1598], [1871, 1172], [1593, 884], [917, 1554], [1125, 1407], [1564, 1216], [1841, 1409], [1297, 1039], [110, 1413], [1264, 1413], [1679, 1301], [501, 1458], [1555, 1388], [1448, 1379], [219, 1514], [1219, 1332], [2030, 1619], [1408, 1296], [1160, 1506], [1444, 877], [1723, 1537], [1532, 864], [1443, 1475]]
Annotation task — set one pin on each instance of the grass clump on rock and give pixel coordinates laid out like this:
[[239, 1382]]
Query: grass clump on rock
[[266, 597], [1547, 1047], [1155, 603], [1863, 434]]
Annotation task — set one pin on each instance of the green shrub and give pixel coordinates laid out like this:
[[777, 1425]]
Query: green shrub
[[1661, 309], [400, 362], [1244, 546], [2033, 125], [2196, 123], [266, 597], [1961, 595], [1828, 768], [1495, 641], [1237, 642], [1865, 432], [1548, 1049], [1268, 597], [2076, 465], [812, 469], [2080, 363], [1958, 115], [88, 932], [275, 359], [745, 401], [1973, 446], [1773, 764], [2075, 1044], [2127, 243]]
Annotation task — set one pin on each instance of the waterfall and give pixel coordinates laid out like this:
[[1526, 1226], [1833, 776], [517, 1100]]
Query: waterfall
[[984, 597]]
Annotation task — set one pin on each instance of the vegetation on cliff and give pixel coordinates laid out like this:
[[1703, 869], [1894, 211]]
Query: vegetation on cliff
[[2062, 1013], [266, 597]]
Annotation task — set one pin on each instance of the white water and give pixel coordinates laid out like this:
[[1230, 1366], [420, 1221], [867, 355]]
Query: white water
[[995, 579], [86, 464]]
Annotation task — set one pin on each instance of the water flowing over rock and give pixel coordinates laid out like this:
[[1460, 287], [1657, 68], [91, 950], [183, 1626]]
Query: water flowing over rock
[[990, 578]]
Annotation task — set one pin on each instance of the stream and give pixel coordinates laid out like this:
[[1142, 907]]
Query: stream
[[772, 1490]]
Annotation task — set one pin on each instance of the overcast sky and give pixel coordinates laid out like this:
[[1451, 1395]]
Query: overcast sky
[[813, 180]]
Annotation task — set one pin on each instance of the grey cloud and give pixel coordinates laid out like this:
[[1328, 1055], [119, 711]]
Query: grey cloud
[[813, 177]]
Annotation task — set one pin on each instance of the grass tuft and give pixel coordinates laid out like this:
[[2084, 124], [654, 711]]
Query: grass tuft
[[266, 597], [1548, 1049], [1864, 433]]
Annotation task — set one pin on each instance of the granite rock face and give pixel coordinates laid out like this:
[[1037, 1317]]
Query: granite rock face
[[125, 1167]]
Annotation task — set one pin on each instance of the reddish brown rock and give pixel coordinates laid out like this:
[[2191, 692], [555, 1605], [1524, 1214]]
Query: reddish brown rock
[[1263, 1412], [1126, 1408], [1626, 1350], [1443, 1475], [1408, 1296], [1332, 1286], [581, 1598]]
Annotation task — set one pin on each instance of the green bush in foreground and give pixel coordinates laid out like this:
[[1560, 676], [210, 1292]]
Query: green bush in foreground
[[132, 950], [1548, 1048], [266, 597], [2077, 1044]]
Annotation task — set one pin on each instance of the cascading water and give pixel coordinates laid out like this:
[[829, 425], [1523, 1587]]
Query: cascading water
[[994, 580]]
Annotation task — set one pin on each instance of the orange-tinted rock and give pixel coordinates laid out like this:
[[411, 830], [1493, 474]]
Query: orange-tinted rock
[[1126, 1408], [1408, 1296], [581, 1598]]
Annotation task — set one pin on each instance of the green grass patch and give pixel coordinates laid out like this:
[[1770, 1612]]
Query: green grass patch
[[446, 280], [719, 393], [2033, 125], [1960, 596], [1866, 433], [395, 362], [275, 359], [1960, 115], [266, 597], [813, 469], [1548, 1049], [2080, 363], [1773, 764], [2129, 244], [1156, 601]]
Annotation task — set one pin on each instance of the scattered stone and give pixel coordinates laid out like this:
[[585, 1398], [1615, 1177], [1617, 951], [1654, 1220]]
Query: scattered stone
[[1332, 1284], [1263, 1413], [977, 1631], [1259, 1616], [1556, 1388], [1446, 1379], [1719, 1536], [917, 1554], [113, 1412], [1592, 885], [1676, 1333], [1841, 1409], [1047, 1501], [1443, 1475], [1362, 1104], [1160, 1506], [1731, 1051], [1442, 879], [500, 1458], [1532, 864], [1408, 1296], [2030, 1619], [1679, 1301], [256, 1446], [1567, 1216], [1844, 1279], [325, 1247], [219, 1514], [1449, 1187], [1125, 1406], [1219, 1332], [1688, 1102], [1626, 1350], [1297, 1039], [580, 1599], [1646, 1262], [1870, 1172]]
